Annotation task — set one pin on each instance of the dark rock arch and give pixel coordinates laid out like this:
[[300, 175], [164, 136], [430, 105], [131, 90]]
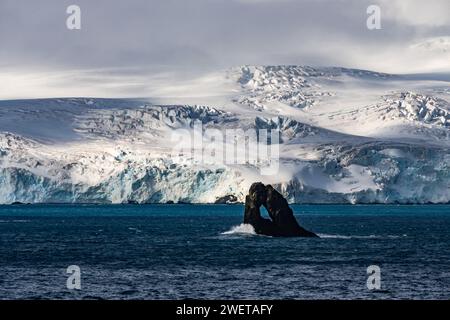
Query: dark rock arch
[[282, 222]]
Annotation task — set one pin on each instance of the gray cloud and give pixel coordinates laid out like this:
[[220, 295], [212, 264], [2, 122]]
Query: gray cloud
[[195, 36]]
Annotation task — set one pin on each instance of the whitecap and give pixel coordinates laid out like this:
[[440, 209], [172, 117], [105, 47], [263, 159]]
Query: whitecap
[[243, 228], [333, 236]]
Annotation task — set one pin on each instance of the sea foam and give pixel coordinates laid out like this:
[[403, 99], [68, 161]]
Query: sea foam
[[243, 228]]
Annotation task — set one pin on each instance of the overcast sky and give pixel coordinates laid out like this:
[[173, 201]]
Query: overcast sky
[[123, 43]]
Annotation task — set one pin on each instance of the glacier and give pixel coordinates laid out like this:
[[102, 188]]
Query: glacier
[[346, 136]]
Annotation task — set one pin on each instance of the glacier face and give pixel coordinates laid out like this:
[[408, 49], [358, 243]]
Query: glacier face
[[346, 136]]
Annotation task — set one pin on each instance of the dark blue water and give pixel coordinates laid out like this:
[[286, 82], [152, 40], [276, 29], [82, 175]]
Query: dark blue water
[[180, 251]]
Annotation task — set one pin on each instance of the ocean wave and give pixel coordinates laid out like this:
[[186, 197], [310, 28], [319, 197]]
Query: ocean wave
[[247, 229], [14, 221], [243, 228], [371, 236]]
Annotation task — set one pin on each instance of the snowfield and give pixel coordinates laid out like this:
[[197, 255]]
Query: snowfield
[[346, 136]]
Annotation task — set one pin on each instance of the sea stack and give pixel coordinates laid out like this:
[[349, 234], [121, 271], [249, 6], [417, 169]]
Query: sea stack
[[282, 222]]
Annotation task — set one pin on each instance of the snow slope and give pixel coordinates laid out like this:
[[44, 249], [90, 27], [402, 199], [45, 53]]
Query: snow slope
[[346, 136]]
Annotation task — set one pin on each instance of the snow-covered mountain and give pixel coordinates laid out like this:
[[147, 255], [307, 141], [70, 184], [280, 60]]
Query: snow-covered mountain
[[346, 136]]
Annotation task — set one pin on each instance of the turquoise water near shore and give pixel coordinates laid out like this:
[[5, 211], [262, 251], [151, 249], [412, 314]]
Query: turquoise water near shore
[[201, 251]]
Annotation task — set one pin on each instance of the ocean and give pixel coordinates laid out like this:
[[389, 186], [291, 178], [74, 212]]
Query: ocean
[[203, 252]]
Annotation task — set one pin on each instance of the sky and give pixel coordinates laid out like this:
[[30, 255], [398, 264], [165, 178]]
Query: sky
[[125, 46]]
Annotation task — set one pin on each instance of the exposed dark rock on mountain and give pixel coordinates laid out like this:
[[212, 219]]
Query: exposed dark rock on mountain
[[282, 222], [228, 199]]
